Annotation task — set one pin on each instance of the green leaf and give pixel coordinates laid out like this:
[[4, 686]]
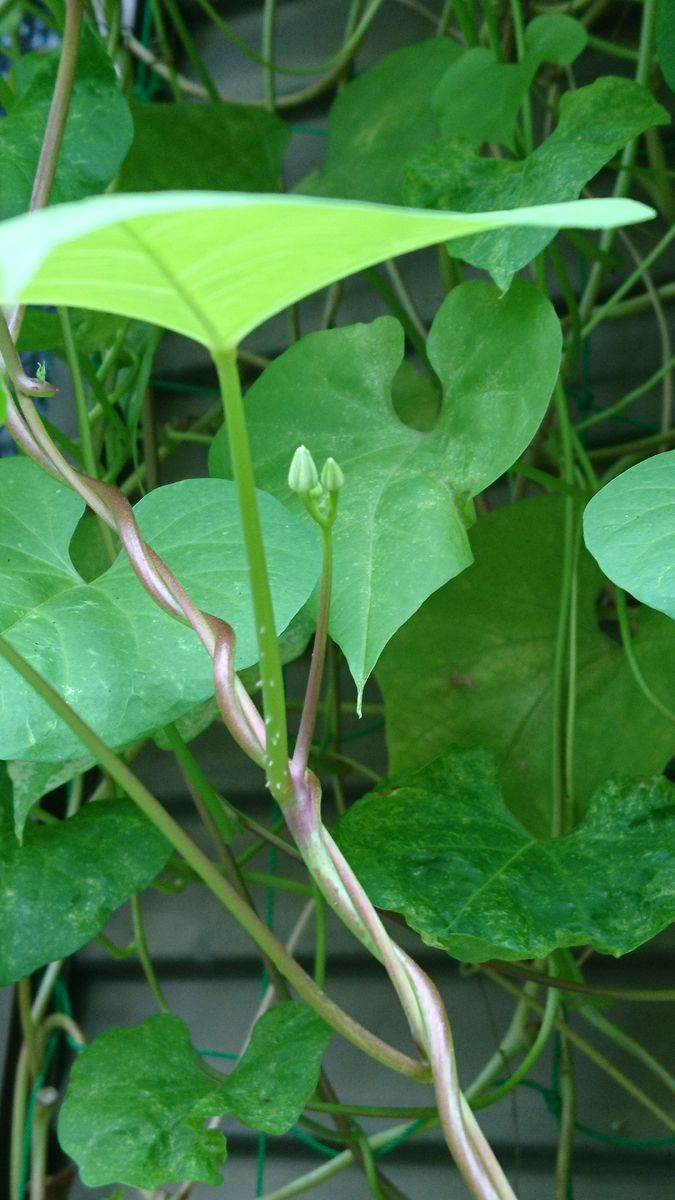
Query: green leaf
[[441, 848], [400, 532], [664, 37], [474, 666], [279, 1070], [365, 159], [33, 780], [219, 147], [629, 527], [62, 884], [149, 1077], [134, 1109], [98, 129], [213, 266], [125, 666], [478, 98], [595, 122], [555, 38], [3, 401]]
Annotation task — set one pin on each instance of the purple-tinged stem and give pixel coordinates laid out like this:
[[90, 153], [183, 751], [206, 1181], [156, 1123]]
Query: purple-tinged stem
[[58, 112], [303, 742]]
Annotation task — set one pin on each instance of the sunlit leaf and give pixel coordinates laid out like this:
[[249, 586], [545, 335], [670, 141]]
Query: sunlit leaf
[[213, 266], [594, 123]]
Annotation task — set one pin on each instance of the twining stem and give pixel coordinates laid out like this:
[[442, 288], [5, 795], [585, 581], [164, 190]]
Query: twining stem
[[276, 749], [208, 872]]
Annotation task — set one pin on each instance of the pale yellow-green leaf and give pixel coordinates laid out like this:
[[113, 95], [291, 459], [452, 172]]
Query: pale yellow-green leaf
[[214, 265]]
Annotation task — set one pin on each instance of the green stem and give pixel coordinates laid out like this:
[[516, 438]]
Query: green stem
[[224, 819], [519, 34], [19, 1112], [563, 1165], [279, 882], [334, 1166], [276, 756], [534, 1053], [635, 668], [87, 446], [191, 49], [604, 1064], [623, 403], [559, 683], [320, 937], [630, 1046], [591, 319], [141, 948], [622, 184], [638, 995], [384, 1111], [208, 872], [268, 31], [28, 1029], [44, 1107]]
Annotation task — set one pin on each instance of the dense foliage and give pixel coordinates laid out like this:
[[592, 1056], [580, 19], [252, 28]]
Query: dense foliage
[[434, 498]]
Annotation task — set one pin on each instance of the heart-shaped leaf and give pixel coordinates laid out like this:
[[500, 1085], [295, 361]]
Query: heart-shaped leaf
[[214, 265], [60, 886], [475, 666], [400, 532], [149, 1077], [441, 848], [135, 1106], [124, 665], [629, 527], [365, 160], [594, 123], [478, 98]]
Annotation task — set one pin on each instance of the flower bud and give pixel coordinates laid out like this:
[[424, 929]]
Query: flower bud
[[332, 476], [302, 475]]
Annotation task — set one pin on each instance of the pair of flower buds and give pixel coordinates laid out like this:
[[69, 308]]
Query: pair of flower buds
[[318, 492]]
